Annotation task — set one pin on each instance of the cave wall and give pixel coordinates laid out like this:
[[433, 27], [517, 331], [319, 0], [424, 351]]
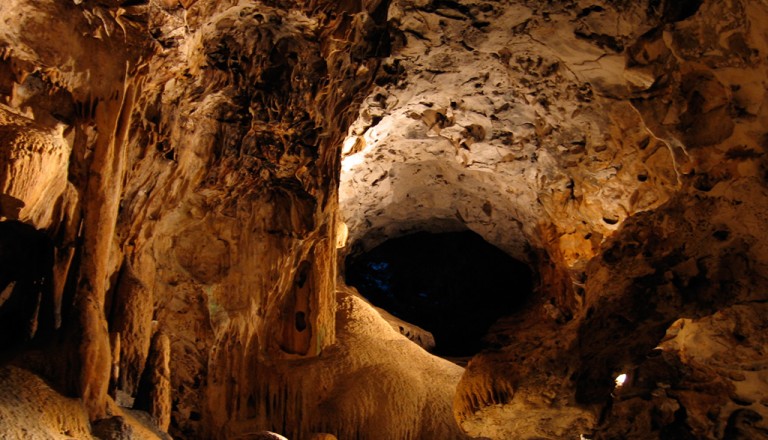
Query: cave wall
[[183, 157], [513, 120], [619, 149], [65, 110], [175, 166], [241, 267]]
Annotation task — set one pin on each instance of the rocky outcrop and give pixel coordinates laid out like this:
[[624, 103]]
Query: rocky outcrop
[[356, 388], [21, 416], [132, 311], [706, 370], [154, 391]]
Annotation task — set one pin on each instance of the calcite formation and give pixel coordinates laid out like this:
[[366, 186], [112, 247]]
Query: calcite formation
[[177, 178]]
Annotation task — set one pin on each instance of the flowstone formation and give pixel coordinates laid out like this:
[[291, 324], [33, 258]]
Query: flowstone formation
[[177, 176]]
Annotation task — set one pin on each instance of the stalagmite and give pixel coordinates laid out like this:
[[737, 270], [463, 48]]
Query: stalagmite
[[154, 390]]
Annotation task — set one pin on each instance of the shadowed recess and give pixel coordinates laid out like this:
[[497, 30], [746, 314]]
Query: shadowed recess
[[26, 302], [455, 285]]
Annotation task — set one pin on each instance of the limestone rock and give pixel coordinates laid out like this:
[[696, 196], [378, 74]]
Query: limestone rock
[[596, 152], [372, 371], [132, 320], [30, 408], [185, 163], [504, 131], [113, 428], [418, 335], [154, 390], [33, 174]]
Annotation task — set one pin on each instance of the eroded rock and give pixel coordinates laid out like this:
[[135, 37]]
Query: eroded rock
[[182, 162], [154, 389]]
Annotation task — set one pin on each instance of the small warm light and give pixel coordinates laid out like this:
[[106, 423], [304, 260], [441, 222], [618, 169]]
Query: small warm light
[[620, 379]]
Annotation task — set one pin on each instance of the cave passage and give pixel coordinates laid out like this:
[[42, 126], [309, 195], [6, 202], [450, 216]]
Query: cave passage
[[455, 285]]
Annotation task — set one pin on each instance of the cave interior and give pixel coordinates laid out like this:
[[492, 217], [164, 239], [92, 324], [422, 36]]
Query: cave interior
[[384, 219]]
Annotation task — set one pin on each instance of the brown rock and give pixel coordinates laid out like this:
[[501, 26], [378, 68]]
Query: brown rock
[[113, 428], [154, 391], [185, 163], [132, 320]]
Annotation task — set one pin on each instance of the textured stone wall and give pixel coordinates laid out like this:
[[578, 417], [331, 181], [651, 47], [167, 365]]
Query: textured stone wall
[[232, 194], [183, 157], [618, 148], [172, 184]]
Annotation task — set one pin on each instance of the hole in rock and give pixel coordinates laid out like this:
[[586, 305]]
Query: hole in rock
[[455, 285], [301, 321]]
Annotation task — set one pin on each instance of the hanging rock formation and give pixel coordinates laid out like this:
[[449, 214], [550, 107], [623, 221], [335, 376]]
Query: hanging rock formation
[[176, 177]]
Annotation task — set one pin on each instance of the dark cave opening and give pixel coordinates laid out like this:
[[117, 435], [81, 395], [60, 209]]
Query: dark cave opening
[[454, 284], [27, 309]]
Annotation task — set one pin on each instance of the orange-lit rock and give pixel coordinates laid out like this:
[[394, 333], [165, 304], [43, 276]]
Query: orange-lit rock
[[193, 171]]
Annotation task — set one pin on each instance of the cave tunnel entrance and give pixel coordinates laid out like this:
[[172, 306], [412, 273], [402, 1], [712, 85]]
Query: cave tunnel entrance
[[453, 284]]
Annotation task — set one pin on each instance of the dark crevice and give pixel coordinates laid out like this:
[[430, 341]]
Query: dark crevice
[[454, 285], [674, 11], [26, 286]]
